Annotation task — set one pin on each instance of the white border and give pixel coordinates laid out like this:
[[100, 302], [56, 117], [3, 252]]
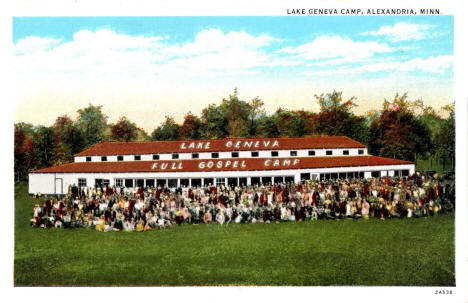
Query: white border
[[230, 8]]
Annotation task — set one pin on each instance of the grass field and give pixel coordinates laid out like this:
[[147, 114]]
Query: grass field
[[346, 252]]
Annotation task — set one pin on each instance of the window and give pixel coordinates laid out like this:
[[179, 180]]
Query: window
[[208, 181], [305, 176], [81, 182], [149, 182], [195, 156], [215, 155], [329, 152], [119, 182], [88, 159], [119, 158], [196, 182], [375, 174], [255, 180], [278, 179], [274, 153], [361, 152], [184, 182], [175, 156], [172, 183], [137, 157], [220, 181], [103, 158], [293, 153], [155, 157], [128, 182], [235, 154], [345, 152], [311, 152], [254, 154], [266, 180]]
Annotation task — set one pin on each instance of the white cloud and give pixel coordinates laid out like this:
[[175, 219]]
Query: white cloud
[[31, 45], [402, 31], [339, 49], [433, 65], [107, 54]]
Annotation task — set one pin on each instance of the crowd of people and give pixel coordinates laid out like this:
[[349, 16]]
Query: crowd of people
[[142, 209]]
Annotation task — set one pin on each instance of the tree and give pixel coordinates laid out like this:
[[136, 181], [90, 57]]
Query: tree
[[267, 127], [398, 133], [93, 124], [191, 129], [22, 145], [445, 140], [44, 140], [337, 119], [289, 123], [237, 114], [124, 130], [64, 132], [169, 130], [214, 123], [255, 110]]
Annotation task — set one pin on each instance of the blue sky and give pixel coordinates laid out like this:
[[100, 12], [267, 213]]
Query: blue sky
[[159, 62]]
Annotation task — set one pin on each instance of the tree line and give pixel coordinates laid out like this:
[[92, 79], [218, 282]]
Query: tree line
[[401, 129]]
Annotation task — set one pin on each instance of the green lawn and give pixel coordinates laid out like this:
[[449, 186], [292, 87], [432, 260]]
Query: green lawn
[[345, 252]]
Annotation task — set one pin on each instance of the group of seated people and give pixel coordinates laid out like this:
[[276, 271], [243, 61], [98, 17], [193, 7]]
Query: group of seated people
[[141, 209]]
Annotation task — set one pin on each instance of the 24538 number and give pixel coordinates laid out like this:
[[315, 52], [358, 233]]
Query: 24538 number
[[443, 292]]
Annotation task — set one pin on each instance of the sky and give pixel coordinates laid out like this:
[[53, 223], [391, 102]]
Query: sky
[[145, 68]]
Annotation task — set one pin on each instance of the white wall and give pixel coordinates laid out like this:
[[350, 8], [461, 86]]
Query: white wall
[[228, 155], [45, 183], [41, 183]]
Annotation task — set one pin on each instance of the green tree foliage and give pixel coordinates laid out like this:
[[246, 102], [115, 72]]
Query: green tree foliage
[[214, 123], [397, 133], [44, 146], [289, 123], [24, 153], [167, 131], [445, 140], [191, 128], [93, 124], [124, 130], [237, 113], [255, 112], [266, 127], [69, 140], [337, 119]]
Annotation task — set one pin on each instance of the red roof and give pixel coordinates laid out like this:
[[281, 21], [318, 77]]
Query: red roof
[[188, 146], [237, 164]]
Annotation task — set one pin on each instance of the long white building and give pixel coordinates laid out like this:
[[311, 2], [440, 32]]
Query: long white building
[[242, 161]]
